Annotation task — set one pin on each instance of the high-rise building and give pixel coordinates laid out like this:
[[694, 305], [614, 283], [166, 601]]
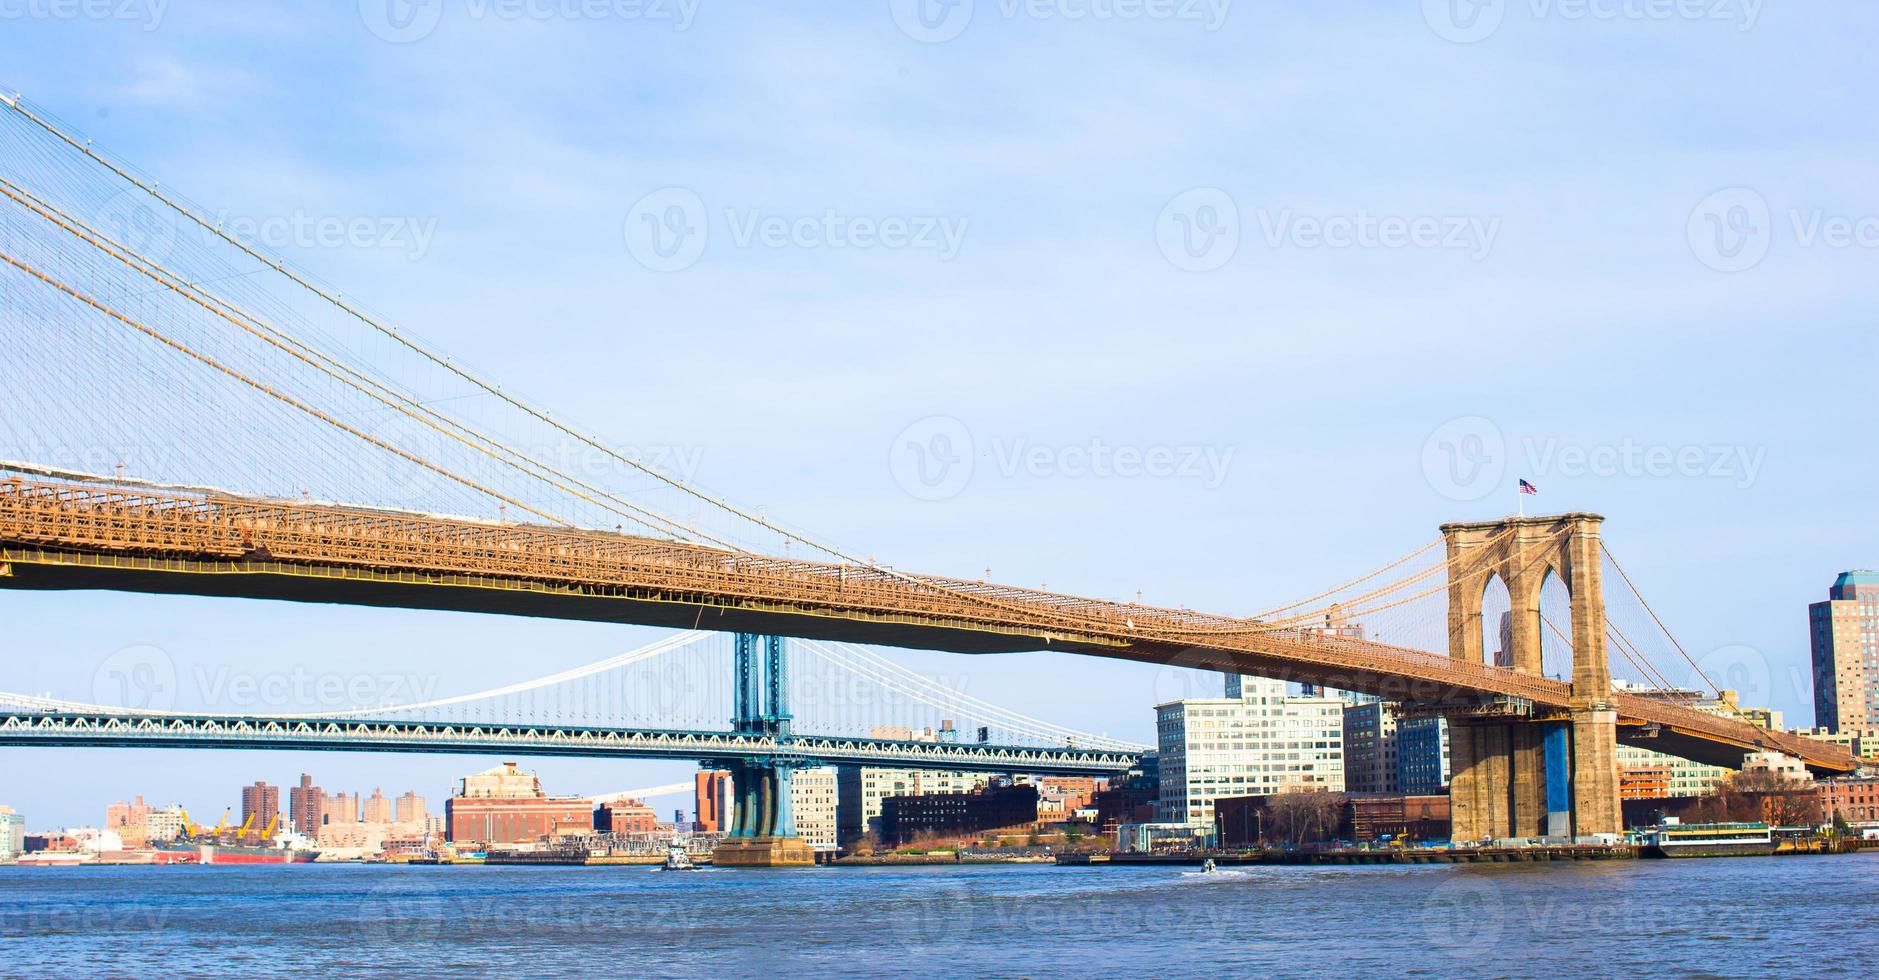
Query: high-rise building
[[164, 824], [376, 808], [711, 790], [1844, 634], [12, 834], [412, 808], [814, 798], [1422, 759], [1261, 742], [120, 814], [260, 806], [306, 804], [340, 808], [1370, 747]]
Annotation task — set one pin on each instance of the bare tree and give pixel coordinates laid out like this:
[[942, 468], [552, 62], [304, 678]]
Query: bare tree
[[1297, 816]]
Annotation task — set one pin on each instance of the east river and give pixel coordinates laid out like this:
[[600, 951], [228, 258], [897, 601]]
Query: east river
[[1789, 916]]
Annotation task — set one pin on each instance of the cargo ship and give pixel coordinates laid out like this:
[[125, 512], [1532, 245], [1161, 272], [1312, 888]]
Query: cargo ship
[[284, 849]]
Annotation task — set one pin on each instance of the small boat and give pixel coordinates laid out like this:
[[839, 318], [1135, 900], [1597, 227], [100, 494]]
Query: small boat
[[676, 859], [1207, 866]]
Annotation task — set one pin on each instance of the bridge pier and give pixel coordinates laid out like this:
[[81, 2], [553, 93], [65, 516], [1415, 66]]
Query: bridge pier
[[763, 819], [1513, 773]]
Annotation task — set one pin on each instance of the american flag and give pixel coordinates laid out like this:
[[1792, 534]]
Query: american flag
[[1526, 487]]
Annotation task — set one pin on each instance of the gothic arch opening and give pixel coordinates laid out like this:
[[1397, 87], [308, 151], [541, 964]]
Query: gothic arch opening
[[1555, 627], [1497, 640]]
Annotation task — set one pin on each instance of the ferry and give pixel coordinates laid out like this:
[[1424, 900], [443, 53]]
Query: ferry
[[1675, 840]]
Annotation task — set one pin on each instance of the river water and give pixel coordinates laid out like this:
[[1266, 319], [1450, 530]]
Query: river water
[[1769, 916]]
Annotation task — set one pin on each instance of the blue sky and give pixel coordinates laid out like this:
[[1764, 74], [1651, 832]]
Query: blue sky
[[1330, 248]]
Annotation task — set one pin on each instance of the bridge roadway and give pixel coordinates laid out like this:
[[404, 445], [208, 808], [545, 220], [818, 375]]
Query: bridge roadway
[[66, 535], [207, 731]]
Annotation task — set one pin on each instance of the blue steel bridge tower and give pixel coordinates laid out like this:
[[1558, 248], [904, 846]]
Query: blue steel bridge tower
[[763, 823]]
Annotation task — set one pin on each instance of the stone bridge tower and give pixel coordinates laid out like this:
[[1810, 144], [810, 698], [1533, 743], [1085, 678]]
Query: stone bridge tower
[[1522, 770]]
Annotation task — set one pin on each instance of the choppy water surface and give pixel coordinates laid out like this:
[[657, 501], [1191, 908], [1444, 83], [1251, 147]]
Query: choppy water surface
[[1779, 916]]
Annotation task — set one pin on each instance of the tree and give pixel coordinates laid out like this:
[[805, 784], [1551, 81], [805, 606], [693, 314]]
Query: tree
[[1300, 815]]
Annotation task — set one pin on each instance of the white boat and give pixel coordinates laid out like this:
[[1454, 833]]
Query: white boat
[[676, 859]]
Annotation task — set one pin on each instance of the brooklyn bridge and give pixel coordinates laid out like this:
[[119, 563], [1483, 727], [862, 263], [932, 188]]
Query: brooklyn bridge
[[190, 415]]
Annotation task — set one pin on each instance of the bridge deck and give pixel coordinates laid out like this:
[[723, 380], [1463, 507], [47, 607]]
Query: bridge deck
[[83, 536], [359, 735]]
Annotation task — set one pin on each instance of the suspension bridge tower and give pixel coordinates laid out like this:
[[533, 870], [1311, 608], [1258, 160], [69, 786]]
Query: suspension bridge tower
[[1519, 771], [763, 822]]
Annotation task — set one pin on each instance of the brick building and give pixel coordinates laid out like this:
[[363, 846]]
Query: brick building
[[625, 817], [907, 818], [506, 805]]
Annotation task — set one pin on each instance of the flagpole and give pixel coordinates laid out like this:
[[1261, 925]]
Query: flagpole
[[1520, 501]]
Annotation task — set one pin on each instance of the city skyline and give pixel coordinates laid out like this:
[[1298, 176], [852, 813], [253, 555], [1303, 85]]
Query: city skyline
[[1358, 478]]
